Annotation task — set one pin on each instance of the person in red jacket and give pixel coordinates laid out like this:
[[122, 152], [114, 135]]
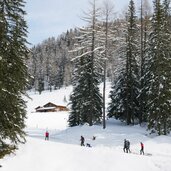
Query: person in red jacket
[[46, 135], [142, 148]]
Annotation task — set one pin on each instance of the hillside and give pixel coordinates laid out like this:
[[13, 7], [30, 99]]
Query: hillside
[[64, 153]]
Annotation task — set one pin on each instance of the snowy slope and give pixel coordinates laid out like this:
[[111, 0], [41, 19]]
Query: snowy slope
[[64, 153]]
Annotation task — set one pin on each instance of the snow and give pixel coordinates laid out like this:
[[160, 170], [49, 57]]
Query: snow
[[64, 153]]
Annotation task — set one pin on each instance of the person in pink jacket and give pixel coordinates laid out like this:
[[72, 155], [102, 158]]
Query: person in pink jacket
[[142, 148], [46, 135]]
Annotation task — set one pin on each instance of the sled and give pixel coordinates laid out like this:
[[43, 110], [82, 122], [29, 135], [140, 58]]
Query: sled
[[145, 154]]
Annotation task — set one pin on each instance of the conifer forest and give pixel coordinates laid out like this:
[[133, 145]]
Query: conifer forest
[[132, 51]]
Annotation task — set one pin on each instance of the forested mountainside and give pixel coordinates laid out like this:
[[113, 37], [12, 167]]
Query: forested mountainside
[[134, 53], [50, 63]]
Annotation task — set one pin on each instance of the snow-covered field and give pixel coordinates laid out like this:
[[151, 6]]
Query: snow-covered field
[[64, 153]]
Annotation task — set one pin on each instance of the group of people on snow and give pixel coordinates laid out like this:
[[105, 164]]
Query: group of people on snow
[[127, 147], [82, 140]]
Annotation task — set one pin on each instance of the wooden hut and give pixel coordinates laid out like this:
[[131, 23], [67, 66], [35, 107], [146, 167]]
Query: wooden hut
[[51, 107]]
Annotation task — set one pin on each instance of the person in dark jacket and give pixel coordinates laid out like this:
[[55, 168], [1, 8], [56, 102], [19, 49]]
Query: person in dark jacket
[[125, 143], [82, 140], [126, 146], [142, 148]]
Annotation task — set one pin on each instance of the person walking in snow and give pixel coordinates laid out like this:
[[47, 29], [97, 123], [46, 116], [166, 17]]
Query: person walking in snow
[[126, 146], [82, 140], [46, 135], [142, 148], [125, 143]]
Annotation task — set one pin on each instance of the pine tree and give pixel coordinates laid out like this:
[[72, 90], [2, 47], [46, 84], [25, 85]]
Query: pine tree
[[159, 119], [124, 104], [132, 72], [117, 106], [76, 98], [13, 71], [81, 99], [87, 73], [75, 114], [144, 32], [92, 100]]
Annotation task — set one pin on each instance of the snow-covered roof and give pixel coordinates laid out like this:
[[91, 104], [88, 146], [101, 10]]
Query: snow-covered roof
[[45, 108]]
